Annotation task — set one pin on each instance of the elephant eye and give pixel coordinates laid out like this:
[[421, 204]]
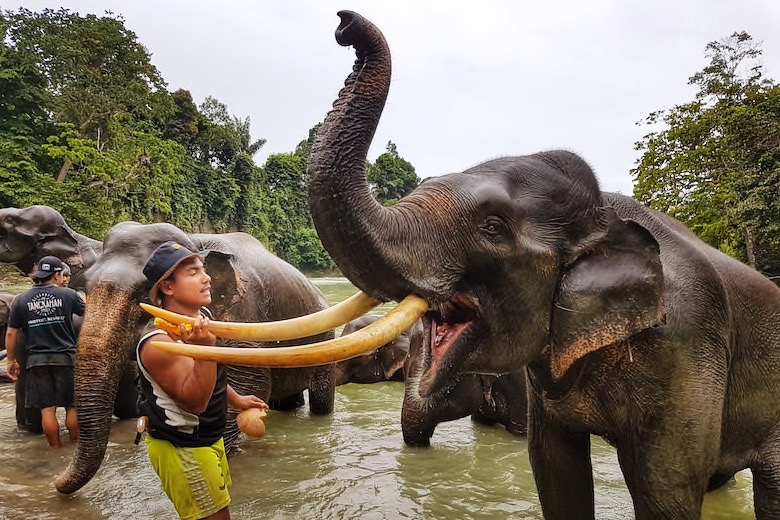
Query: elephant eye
[[493, 227]]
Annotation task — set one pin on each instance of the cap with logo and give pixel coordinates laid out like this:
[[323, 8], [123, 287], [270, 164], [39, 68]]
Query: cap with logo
[[47, 267]]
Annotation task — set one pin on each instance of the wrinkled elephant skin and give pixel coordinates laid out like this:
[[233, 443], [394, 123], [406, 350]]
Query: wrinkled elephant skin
[[629, 326]]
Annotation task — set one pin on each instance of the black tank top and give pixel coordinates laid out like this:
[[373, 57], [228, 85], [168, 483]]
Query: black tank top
[[168, 420]]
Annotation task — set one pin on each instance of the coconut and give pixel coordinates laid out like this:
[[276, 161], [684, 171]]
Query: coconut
[[250, 422]]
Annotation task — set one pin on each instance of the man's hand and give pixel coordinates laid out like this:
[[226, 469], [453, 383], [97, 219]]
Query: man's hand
[[13, 370], [195, 334], [245, 402]]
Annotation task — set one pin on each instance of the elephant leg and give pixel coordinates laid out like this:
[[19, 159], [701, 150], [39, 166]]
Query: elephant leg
[[766, 480], [291, 402], [322, 391], [663, 482], [562, 469], [126, 402]]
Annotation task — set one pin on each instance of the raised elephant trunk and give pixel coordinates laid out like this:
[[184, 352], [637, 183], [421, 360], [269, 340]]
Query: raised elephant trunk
[[366, 240], [100, 360]]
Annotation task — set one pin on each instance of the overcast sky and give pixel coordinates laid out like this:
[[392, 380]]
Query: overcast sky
[[471, 81]]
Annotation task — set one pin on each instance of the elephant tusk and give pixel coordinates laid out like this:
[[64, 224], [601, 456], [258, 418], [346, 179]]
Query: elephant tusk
[[359, 342], [294, 328]]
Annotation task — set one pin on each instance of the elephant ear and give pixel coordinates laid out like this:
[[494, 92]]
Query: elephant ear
[[611, 291], [226, 289]]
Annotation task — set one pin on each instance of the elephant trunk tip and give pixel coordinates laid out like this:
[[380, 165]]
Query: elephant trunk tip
[[348, 28], [68, 482]]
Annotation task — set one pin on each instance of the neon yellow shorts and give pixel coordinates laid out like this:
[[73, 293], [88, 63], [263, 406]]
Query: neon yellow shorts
[[196, 480]]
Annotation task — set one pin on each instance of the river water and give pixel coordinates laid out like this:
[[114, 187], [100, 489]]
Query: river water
[[349, 465]]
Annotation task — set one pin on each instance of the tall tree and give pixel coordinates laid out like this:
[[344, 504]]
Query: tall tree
[[716, 165], [391, 176], [94, 66]]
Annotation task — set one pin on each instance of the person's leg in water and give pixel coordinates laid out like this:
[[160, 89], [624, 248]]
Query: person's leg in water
[[51, 427], [71, 423]]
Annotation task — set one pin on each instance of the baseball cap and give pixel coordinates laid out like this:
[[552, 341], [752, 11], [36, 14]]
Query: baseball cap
[[163, 261], [47, 266]]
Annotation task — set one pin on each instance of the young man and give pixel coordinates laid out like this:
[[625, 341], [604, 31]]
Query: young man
[[44, 313], [184, 399]]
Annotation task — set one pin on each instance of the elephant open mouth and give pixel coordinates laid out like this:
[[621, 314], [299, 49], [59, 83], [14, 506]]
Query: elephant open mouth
[[446, 324]]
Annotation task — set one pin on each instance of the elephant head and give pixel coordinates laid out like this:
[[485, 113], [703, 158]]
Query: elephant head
[[489, 399], [30, 233], [386, 363], [510, 254], [248, 284]]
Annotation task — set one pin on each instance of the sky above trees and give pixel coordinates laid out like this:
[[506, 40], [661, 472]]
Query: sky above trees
[[469, 84]]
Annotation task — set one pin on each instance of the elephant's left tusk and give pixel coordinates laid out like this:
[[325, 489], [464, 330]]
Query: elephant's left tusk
[[359, 342], [294, 328]]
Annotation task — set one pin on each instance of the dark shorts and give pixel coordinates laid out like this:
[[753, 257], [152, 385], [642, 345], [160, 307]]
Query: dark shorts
[[50, 385]]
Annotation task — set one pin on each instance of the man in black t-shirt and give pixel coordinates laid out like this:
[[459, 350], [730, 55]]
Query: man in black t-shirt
[[44, 313]]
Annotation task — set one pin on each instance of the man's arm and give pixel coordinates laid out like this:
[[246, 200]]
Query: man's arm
[[189, 382], [11, 334], [242, 402]]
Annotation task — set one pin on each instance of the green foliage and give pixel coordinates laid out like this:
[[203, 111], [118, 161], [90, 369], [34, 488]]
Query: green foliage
[[88, 127], [715, 164], [391, 176]]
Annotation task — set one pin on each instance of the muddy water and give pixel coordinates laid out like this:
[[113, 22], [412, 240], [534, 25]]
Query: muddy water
[[352, 464]]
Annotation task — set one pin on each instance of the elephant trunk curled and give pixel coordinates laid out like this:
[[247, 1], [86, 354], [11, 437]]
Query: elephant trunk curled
[[103, 350]]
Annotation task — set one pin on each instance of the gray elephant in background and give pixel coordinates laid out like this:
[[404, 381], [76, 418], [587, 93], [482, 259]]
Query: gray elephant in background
[[489, 399], [248, 283], [5, 309], [30, 233], [386, 363]]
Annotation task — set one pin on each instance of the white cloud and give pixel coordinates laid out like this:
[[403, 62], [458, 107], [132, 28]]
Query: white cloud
[[470, 81]]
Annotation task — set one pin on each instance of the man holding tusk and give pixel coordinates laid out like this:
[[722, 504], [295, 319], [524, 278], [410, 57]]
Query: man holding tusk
[[185, 399]]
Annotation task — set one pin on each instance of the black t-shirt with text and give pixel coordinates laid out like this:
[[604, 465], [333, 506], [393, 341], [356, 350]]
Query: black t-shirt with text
[[45, 314]]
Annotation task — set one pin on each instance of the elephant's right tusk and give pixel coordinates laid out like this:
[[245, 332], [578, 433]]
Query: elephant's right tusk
[[294, 328], [364, 340]]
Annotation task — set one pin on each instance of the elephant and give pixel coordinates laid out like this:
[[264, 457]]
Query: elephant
[[5, 307], [30, 233], [629, 326], [385, 363], [248, 283], [489, 399]]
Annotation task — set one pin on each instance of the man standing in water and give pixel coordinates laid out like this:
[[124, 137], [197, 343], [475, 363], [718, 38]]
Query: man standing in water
[[185, 399], [44, 313]]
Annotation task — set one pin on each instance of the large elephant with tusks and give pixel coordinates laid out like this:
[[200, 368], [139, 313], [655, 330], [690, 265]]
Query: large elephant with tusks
[[629, 326], [248, 284]]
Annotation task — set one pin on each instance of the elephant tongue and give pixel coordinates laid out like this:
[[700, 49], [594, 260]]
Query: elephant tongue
[[443, 335]]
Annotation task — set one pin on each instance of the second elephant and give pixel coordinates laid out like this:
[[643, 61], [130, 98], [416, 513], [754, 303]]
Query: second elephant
[[488, 399], [248, 283]]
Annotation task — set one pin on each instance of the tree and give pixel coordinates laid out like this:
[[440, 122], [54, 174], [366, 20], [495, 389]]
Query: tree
[[94, 67], [716, 164], [391, 176]]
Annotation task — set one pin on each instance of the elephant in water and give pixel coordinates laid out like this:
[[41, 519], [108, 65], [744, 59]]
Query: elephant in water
[[248, 284], [629, 326], [30, 233], [489, 399], [386, 363]]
